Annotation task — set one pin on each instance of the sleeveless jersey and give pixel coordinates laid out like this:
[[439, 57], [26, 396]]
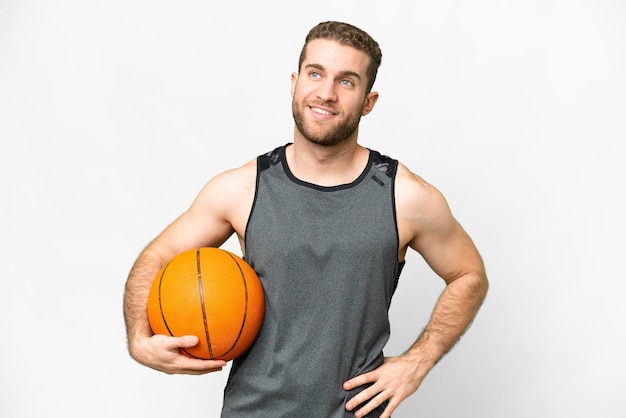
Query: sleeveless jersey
[[328, 261]]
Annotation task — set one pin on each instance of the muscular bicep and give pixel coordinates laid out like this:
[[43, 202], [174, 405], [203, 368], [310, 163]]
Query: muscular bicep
[[220, 209], [195, 228], [427, 225]]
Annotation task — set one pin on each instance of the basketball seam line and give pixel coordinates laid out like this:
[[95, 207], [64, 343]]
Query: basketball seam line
[[245, 310], [201, 292]]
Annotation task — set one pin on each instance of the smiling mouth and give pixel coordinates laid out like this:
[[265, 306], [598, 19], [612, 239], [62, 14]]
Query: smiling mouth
[[321, 111]]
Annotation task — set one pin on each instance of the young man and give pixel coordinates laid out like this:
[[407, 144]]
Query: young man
[[326, 224]]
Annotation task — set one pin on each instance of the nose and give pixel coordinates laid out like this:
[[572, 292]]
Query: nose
[[326, 91]]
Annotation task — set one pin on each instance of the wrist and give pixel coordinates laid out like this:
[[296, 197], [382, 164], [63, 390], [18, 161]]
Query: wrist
[[136, 346], [422, 360], [426, 351]]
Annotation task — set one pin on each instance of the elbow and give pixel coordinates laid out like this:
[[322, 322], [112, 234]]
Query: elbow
[[481, 286], [475, 284], [483, 282]]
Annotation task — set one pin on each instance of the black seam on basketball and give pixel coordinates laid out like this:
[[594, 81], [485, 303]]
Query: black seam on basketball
[[163, 313], [201, 292], [245, 310], [160, 303]]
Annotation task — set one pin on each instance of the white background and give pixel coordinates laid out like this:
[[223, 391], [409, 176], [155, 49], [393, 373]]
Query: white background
[[114, 114]]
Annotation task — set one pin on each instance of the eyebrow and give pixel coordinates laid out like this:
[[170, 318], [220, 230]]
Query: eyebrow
[[342, 73]]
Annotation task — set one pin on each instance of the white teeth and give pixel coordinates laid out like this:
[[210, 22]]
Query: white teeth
[[321, 111]]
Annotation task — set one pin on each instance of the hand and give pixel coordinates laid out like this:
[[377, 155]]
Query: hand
[[162, 353], [395, 380]]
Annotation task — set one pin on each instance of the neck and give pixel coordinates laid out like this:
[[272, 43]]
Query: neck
[[326, 165]]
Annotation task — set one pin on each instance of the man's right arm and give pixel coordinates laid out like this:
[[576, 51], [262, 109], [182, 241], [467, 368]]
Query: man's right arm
[[220, 209]]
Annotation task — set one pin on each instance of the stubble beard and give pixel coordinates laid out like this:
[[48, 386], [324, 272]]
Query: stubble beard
[[333, 135]]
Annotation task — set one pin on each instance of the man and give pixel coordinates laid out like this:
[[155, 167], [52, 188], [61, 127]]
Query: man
[[326, 224]]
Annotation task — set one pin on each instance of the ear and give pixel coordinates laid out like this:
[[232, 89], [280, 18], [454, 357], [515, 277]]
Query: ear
[[294, 81], [370, 101]]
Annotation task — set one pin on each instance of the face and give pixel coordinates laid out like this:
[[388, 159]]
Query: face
[[329, 93]]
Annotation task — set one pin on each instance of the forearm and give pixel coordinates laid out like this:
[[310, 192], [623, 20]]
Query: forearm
[[136, 295], [454, 312]]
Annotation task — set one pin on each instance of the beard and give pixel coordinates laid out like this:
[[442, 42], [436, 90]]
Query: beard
[[327, 135]]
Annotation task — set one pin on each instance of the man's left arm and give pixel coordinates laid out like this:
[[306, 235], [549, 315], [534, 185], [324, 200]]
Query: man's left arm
[[430, 229]]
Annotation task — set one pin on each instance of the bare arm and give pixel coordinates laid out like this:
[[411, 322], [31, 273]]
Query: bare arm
[[450, 252], [426, 225], [220, 209]]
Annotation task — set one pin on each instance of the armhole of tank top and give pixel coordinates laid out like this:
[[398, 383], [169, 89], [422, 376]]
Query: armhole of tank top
[[392, 174], [263, 162]]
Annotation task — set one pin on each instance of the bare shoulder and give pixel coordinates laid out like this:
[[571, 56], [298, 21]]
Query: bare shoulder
[[415, 196], [227, 197], [426, 224], [420, 207], [240, 180]]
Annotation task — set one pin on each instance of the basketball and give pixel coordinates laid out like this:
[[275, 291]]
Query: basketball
[[210, 293]]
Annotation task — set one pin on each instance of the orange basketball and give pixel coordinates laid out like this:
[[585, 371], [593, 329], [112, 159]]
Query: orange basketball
[[212, 294]]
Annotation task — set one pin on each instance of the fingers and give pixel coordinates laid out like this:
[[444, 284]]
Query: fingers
[[165, 356], [188, 365], [387, 383], [372, 393], [185, 341], [374, 403], [361, 380], [375, 398]]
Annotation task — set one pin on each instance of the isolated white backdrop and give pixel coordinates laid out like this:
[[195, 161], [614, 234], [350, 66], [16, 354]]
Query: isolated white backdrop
[[114, 114]]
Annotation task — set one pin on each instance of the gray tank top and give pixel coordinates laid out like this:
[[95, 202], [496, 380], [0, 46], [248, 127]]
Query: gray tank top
[[328, 261]]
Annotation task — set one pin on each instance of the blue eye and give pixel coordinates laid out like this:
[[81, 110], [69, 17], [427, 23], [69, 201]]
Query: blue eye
[[347, 83], [314, 74]]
